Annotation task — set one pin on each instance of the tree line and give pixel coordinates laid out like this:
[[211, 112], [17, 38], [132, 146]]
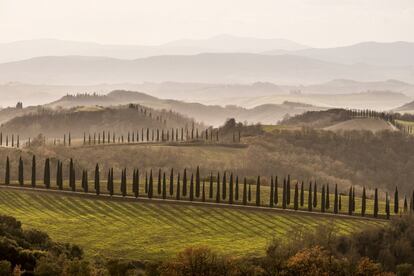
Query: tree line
[[224, 187]]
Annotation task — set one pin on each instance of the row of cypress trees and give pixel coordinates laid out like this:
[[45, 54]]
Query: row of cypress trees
[[13, 141], [192, 187]]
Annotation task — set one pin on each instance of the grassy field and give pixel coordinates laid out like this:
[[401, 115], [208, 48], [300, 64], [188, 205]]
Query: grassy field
[[156, 231]]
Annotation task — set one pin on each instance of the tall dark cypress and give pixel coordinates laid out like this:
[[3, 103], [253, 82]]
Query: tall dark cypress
[[218, 188], [276, 194], [164, 186], [323, 203], [97, 180], [124, 183], [315, 195], [258, 191], [310, 197], [236, 191], [336, 199], [71, 178], [284, 194], [245, 192], [108, 182], [231, 189], [46, 174], [296, 197], [302, 194], [185, 182], [376, 203], [224, 186], [33, 171], [171, 182], [210, 193], [340, 202], [327, 201], [350, 202], [159, 182], [150, 186], [197, 182], [271, 194], [146, 183], [192, 187], [396, 201], [353, 199], [387, 206], [21, 176], [7, 174], [60, 186], [288, 190], [405, 204], [203, 195], [249, 195], [178, 192], [85, 181], [363, 203]]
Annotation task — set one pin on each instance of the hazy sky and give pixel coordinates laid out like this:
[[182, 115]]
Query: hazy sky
[[319, 23]]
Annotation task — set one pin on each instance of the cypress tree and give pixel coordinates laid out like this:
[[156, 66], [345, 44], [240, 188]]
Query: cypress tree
[[60, 174], [376, 203], [353, 199], [258, 191], [302, 194], [396, 201], [124, 183], [171, 182], [336, 200], [245, 192], [210, 194], [150, 186], [159, 182], [7, 175], [323, 203], [405, 204], [203, 195], [363, 203], [236, 192], [231, 189], [327, 201], [136, 183], [271, 194], [249, 195], [288, 190], [197, 180], [340, 202], [310, 197], [192, 188], [284, 194], [387, 205], [178, 192], [350, 202], [21, 177], [164, 187], [296, 197], [218, 188], [46, 175], [72, 176], [33, 171], [85, 181], [185, 182], [97, 181], [224, 186], [146, 182], [315, 195], [108, 182], [276, 194]]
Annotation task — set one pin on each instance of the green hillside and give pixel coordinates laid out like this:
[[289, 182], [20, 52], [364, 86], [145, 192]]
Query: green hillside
[[153, 231]]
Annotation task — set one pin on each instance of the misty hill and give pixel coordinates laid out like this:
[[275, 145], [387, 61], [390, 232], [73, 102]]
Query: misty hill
[[406, 108], [26, 49], [371, 124], [207, 68], [209, 114], [397, 54], [77, 120]]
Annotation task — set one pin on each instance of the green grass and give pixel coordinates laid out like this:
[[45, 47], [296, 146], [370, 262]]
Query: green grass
[[155, 231]]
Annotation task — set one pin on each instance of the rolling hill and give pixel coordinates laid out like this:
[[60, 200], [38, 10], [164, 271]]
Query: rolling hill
[[94, 119], [370, 124]]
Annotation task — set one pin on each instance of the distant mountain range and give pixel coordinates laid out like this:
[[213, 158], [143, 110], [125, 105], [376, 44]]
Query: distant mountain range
[[205, 68], [27, 49]]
